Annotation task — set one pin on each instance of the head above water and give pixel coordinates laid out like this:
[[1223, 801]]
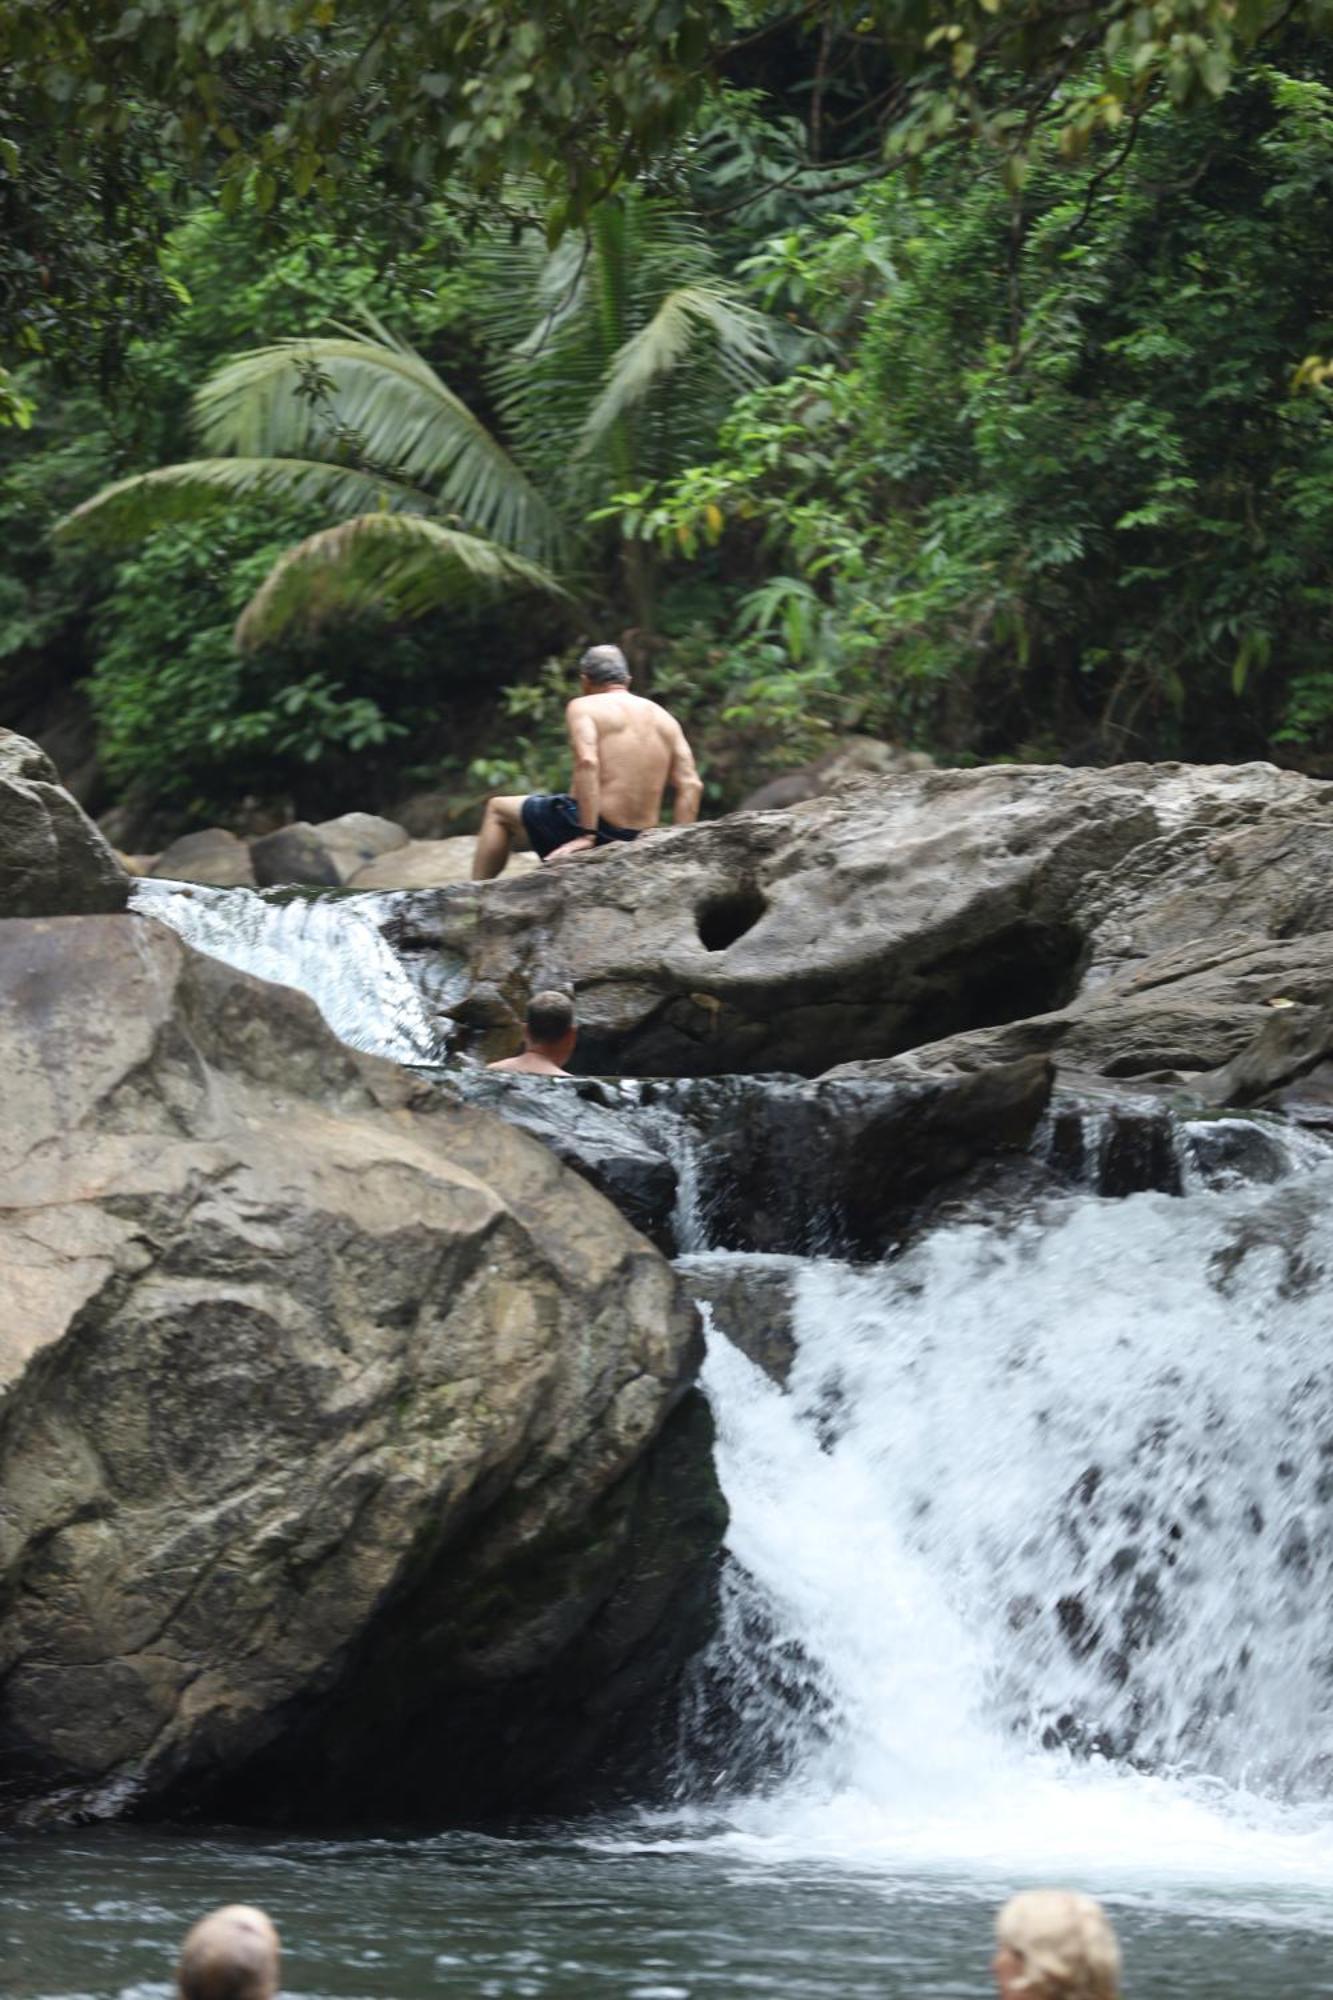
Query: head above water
[[1055, 1944], [549, 1023], [231, 1954], [604, 666]]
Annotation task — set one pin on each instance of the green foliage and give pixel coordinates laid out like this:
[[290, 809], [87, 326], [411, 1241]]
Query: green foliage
[[1060, 488], [610, 361]]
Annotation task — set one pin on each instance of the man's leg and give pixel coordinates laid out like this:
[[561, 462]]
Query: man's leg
[[501, 831]]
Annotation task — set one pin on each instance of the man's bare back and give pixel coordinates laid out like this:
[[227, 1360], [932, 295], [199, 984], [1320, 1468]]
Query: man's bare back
[[636, 744], [627, 751]]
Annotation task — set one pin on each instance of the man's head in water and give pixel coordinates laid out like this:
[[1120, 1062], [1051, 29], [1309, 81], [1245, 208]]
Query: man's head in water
[[603, 667], [548, 1027], [549, 1036], [231, 1954]]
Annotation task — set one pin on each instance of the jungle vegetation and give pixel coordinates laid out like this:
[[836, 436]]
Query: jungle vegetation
[[955, 374]]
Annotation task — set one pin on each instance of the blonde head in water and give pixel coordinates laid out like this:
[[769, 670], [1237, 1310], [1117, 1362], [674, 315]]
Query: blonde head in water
[[231, 1954], [1054, 1944]]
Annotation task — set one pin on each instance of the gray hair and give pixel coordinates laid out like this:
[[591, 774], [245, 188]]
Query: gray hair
[[1066, 1944], [605, 666], [232, 1954]]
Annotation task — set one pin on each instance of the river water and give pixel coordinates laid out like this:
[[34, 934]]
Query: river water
[[1030, 1580]]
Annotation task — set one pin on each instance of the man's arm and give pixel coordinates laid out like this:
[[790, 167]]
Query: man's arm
[[686, 785], [587, 754], [587, 782]]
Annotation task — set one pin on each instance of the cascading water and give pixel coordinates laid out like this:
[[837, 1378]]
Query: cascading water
[[1046, 1513], [327, 947], [1032, 1555]]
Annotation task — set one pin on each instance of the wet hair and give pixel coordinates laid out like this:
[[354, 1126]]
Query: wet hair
[[550, 1017], [231, 1954], [605, 666], [1065, 1942]]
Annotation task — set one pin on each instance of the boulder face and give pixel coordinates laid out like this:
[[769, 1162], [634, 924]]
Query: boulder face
[[349, 1464], [53, 860], [1127, 923]]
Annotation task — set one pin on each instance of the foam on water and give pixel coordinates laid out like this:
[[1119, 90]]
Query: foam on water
[[328, 947], [1047, 1512]]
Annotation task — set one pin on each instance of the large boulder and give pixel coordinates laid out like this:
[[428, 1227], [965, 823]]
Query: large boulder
[[349, 1463], [53, 860], [1130, 922]]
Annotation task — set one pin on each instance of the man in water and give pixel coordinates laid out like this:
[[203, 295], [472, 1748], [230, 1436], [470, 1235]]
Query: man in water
[[230, 1955], [549, 1036], [627, 752]]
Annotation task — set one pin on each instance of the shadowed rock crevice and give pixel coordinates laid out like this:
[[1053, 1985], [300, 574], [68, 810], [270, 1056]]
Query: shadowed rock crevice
[[722, 920], [446, 1713]]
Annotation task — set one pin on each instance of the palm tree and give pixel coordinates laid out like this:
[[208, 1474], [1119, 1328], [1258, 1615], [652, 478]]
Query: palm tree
[[614, 359]]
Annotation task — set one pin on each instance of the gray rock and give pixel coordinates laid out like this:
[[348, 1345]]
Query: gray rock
[[852, 757], [53, 860], [214, 857], [348, 1458], [356, 838], [429, 864], [592, 1130], [1130, 923], [752, 1301], [296, 854]]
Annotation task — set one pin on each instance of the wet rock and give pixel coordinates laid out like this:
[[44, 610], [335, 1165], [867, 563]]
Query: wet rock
[[213, 857], [356, 839], [53, 859], [1132, 923], [1295, 1041], [753, 1304], [838, 1167], [348, 1459], [587, 1124], [294, 853]]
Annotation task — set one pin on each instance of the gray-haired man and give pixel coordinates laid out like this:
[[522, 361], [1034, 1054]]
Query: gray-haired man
[[627, 752]]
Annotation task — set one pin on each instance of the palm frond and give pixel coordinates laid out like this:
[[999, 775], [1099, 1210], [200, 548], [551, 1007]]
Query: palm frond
[[133, 507], [397, 564], [736, 332], [371, 398]]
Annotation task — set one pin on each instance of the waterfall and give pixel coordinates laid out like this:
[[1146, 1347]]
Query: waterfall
[[1047, 1513], [1030, 1565], [328, 947]]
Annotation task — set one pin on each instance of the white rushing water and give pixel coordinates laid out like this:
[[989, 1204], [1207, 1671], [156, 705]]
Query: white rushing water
[[1046, 1511], [328, 947]]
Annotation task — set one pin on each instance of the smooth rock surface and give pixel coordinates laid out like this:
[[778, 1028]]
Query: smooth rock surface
[[348, 1460], [429, 864], [294, 854], [852, 757], [53, 860], [1131, 923], [355, 839], [213, 857]]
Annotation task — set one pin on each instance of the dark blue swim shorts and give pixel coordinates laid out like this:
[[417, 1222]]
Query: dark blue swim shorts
[[552, 818]]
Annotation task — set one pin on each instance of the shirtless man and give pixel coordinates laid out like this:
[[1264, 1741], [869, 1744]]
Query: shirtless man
[[627, 752], [549, 1036]]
